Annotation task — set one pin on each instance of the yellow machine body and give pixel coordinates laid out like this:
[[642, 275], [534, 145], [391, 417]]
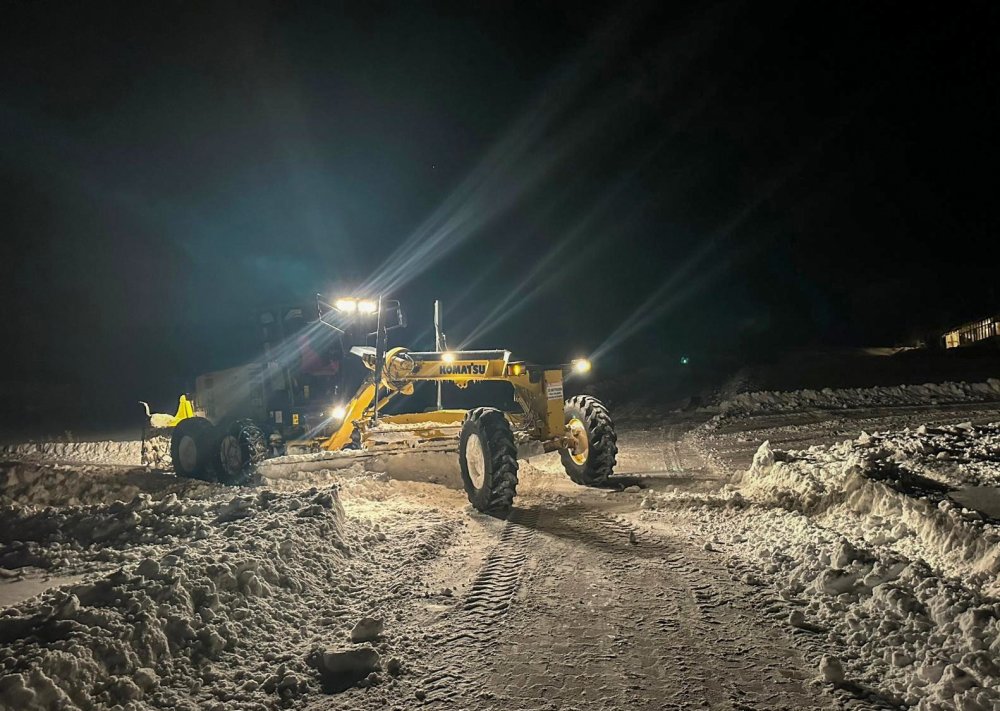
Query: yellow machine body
[[538, 390], [185, 409]]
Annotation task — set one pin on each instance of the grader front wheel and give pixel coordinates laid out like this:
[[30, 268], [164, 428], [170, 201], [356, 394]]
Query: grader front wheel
[[488, 459], [591, 459]]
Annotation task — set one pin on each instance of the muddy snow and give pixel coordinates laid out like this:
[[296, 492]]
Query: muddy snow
[[758, 559]]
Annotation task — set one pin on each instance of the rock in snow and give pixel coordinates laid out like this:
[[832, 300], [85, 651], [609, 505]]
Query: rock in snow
[[339, 670], [831, 669], [367, 630]]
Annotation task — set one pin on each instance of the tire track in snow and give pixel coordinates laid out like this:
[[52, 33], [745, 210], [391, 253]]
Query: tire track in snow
[[477, 619], [698, 609], [497, 582], [672, 450]]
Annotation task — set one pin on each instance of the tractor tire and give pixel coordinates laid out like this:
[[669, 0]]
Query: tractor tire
[[593, 460], [239, 451], [192, 449], [488, 459]]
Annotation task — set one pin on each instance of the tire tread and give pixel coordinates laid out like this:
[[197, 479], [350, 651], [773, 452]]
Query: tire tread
[[503, 459], [603, 450]]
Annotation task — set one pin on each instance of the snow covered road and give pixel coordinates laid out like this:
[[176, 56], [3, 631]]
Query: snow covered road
[[679, 590]]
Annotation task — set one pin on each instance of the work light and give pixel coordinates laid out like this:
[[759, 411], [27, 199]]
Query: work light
[[581, 365]]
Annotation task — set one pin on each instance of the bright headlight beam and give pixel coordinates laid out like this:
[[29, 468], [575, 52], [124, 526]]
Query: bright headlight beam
[[567, 255], [346, 305], [367, 306], [448, 357], [338, 412], [581, 365], [542, 140]]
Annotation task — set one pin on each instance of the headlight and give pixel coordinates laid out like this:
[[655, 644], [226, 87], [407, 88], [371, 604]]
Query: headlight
[[448, 357], [367, 306], [339, 412], [346, 305], [581, 365]]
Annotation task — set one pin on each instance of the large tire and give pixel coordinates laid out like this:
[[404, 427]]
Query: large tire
[[192, 449], [239, 451], [593, 460], [488, 459]]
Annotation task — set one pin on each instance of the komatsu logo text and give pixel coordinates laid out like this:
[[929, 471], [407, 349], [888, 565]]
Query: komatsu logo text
[[462, 369]]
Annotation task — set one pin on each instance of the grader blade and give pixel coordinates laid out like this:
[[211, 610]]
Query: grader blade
[[411, 452]]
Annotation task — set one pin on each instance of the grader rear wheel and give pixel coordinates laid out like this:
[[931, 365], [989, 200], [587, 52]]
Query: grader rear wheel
[[240, 450], [488, 459], [192, 449], [591, 459]]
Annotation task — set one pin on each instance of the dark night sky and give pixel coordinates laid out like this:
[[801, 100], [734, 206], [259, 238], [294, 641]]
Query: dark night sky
[[627, 179]]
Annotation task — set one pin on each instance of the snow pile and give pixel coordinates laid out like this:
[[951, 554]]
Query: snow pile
[[867, 548], [285, 478], [200, 582], [39, 484], [152, 451], [42, 484], [754, 403], [895, 627], [156, 450], [954, 455], [858, 489], [127, 453], [386, 426], [209, 597], [73, 536], [343, 455]]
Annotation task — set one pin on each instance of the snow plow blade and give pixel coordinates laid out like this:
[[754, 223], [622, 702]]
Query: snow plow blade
[[397, 452]]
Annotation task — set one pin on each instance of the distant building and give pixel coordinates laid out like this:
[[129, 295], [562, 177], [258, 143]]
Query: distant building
[[972, 333]]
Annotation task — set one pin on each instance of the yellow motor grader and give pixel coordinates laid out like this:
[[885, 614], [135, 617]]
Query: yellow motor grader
[[487, 441]]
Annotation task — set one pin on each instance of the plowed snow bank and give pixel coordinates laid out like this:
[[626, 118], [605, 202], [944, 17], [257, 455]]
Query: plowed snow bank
[[754, 403], [862, 489], [150, 629], [867, 549], [153, 452], [127, 453]]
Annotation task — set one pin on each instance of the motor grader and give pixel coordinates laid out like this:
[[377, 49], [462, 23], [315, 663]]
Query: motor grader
[[486, 440]]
